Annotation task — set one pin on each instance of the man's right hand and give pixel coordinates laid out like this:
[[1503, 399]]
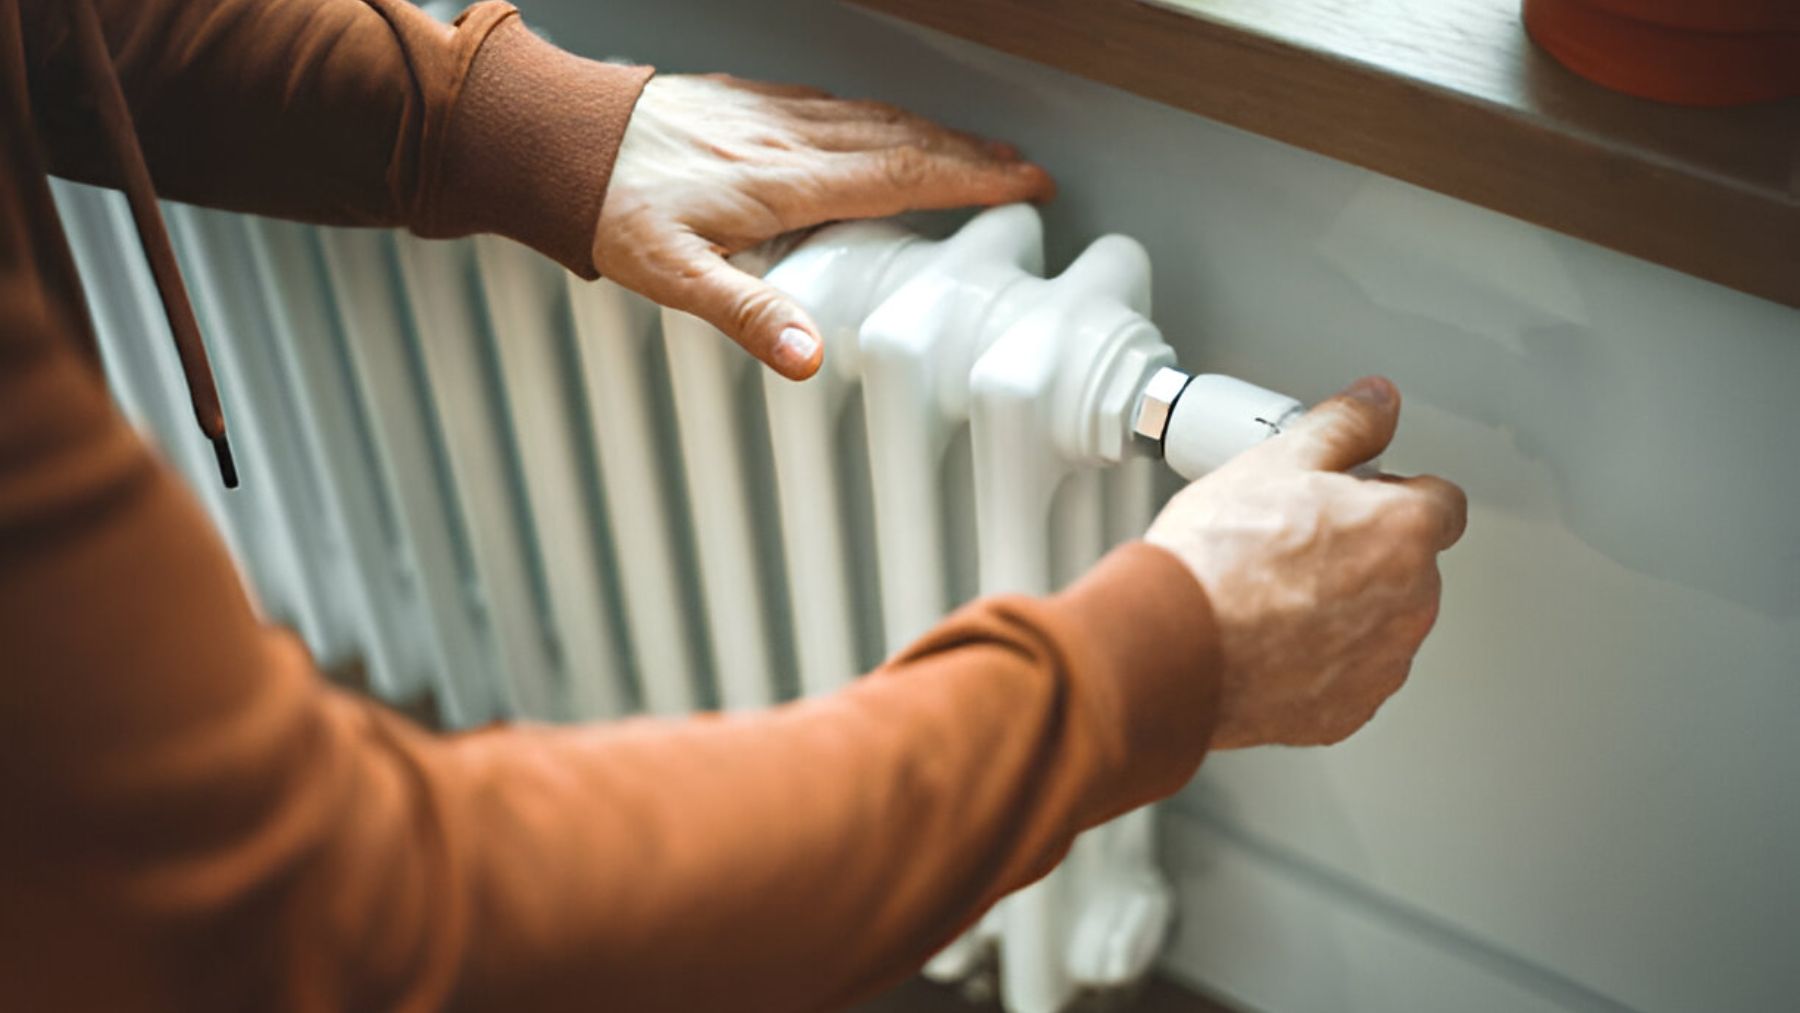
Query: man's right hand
[[1323, 585]]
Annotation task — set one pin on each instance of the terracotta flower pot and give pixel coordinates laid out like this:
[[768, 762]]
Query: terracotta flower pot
[[1694, 52]]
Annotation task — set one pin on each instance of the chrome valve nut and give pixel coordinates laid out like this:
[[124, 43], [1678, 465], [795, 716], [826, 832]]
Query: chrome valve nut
[[1158, 401]]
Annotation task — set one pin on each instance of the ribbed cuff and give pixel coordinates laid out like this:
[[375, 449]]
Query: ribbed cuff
[[1152, 668], [530, 146]]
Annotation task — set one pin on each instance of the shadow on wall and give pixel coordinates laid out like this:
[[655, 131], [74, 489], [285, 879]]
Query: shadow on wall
[[1665, 442]]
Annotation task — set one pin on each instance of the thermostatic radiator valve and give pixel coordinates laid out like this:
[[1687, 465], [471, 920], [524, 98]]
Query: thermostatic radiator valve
[[1200, 422]]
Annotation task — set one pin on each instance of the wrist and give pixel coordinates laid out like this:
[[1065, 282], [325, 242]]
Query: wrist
[[1154, 688], [529, 147]]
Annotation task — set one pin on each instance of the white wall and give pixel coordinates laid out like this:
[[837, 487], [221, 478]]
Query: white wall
[[1587, 797]]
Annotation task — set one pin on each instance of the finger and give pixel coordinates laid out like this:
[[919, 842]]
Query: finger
[[771, 88], [907, 178], [854, 113], [864, 135], [749, 311], [1448, 502], [1344, 431], [826, 108], [872, 126]]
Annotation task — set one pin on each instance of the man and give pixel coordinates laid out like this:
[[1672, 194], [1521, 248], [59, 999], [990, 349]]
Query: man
[[195, 821]]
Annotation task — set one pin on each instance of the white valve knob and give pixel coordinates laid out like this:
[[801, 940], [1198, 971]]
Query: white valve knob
[[1202, 421]]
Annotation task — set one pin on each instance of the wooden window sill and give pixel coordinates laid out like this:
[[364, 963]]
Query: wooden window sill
[[1447, 94]]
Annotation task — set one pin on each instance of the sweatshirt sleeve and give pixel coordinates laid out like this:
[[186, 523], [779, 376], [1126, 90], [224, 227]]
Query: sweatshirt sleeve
[[353, 112], [196, 821]]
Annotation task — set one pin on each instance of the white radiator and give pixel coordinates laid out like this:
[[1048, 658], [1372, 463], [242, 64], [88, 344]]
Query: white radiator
[[530, 496]]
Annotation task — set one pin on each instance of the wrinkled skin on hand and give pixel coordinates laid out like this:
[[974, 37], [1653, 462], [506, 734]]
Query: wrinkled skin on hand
[[712, 165], [1323, 585]]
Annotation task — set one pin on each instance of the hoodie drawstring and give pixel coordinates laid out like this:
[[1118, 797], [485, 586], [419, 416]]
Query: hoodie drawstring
[[134, 176]]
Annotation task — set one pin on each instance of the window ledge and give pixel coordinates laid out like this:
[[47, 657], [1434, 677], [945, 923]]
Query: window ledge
[[1447, 94]]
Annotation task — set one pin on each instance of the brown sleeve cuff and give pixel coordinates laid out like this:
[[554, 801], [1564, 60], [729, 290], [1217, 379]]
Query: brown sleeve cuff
[[1153, 668], [529, 146]]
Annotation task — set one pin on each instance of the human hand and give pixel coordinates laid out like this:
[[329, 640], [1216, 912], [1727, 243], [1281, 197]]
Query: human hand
[[711, 165], [1323, 585]]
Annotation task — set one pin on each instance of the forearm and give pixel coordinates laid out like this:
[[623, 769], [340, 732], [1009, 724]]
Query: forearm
[[200, 823], [799, 858], [360, 112]]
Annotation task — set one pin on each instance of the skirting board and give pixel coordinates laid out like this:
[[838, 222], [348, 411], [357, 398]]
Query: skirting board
[[1262, 930]]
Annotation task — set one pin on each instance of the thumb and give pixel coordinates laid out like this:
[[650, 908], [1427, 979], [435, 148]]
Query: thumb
[[748, 310], [1346, 430]]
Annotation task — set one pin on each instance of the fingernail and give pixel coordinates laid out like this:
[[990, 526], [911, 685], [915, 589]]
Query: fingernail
[[1001, 149], [794, 349], [1371, 390]]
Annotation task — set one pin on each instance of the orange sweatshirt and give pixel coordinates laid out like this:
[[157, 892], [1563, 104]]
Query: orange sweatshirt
[[193, 820]]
